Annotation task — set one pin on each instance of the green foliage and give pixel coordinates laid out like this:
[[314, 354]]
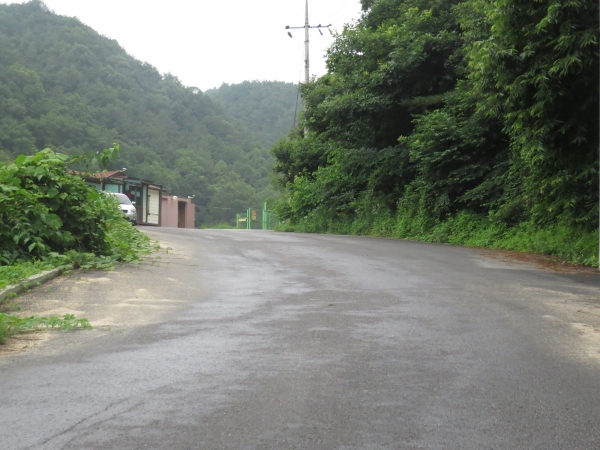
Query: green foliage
[[459, 156], [391, 64], [65, 87], [49, 217], [534, 65], [472, 122], [45, 209], [11, 325], [298, 156], [217, 226], [573, 245], [11, 274]]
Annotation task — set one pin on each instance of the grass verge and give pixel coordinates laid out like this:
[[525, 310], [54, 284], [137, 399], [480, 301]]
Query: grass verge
[[127, 245], [217, 226], [569, 244]]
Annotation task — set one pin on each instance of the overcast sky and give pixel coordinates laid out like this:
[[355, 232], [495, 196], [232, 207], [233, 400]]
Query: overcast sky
[[209, 42]]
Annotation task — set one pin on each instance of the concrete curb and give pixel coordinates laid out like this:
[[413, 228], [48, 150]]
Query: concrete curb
[[39, 278]]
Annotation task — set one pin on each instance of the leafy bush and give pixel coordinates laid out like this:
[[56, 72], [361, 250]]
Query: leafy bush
[[50, 217], [45, 209]]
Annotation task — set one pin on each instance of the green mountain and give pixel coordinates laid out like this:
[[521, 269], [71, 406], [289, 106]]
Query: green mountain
[[64, 86], [266, 107]]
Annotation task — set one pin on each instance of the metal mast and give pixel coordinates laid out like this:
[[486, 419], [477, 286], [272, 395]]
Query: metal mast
[[307, 59], [306, 47]]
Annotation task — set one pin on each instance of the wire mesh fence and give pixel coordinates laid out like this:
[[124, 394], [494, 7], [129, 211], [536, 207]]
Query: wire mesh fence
[[257, 219]]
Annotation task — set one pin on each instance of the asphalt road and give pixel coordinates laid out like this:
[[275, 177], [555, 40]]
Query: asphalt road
[[258, 340]]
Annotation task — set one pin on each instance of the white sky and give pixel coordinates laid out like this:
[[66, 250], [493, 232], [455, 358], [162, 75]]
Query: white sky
[[208, 42]]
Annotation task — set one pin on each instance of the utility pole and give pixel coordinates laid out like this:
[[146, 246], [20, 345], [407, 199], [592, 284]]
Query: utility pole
[[306, 47]]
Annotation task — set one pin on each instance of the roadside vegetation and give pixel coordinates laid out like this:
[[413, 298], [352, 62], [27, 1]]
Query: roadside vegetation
[[11, 325], [465, 122], [49, 217], [217, 226]]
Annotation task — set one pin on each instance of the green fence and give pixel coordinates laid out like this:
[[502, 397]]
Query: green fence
[[257, 219]]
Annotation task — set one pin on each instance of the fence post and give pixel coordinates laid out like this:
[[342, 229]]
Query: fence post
[[264, 217]]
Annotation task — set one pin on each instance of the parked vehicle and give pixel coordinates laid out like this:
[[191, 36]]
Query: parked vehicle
[[126, 205]]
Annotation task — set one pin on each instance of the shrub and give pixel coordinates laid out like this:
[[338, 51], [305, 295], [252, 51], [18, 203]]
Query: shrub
[[46, 209], [50, 217]]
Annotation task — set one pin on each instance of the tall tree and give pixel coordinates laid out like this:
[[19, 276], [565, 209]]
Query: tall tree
[[535, 66]]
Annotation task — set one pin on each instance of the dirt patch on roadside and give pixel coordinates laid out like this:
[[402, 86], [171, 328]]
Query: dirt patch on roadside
[[23, 342], [544, 262], [115, 301], [591, 339]]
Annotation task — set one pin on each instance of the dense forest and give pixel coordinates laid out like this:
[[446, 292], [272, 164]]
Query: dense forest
[[472, 122], [266, 107], [64, 86]]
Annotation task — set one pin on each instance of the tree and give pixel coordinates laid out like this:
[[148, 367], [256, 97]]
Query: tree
[[534, 66]]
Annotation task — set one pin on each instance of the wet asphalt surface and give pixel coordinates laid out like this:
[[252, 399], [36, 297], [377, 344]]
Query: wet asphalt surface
[[260, 340]]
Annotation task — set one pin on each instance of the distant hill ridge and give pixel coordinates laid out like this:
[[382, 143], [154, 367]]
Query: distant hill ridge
[[266, 107], [63, 85]]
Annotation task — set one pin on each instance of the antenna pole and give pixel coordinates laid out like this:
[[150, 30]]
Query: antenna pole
[[307, 59], [306, 49]]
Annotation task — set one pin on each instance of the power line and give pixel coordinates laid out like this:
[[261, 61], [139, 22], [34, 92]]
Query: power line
[[298, 90], [336, 14], [296, 108]]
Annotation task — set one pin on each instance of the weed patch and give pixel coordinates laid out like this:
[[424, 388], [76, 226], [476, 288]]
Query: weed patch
[[217, 226], [11, 325]]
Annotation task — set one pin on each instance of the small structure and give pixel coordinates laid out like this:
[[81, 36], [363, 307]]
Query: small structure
[[177, 212], [144, 193]]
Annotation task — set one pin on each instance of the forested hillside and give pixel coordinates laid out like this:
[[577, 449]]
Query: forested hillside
[[471, 122], [266, 107], [64, 86]]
